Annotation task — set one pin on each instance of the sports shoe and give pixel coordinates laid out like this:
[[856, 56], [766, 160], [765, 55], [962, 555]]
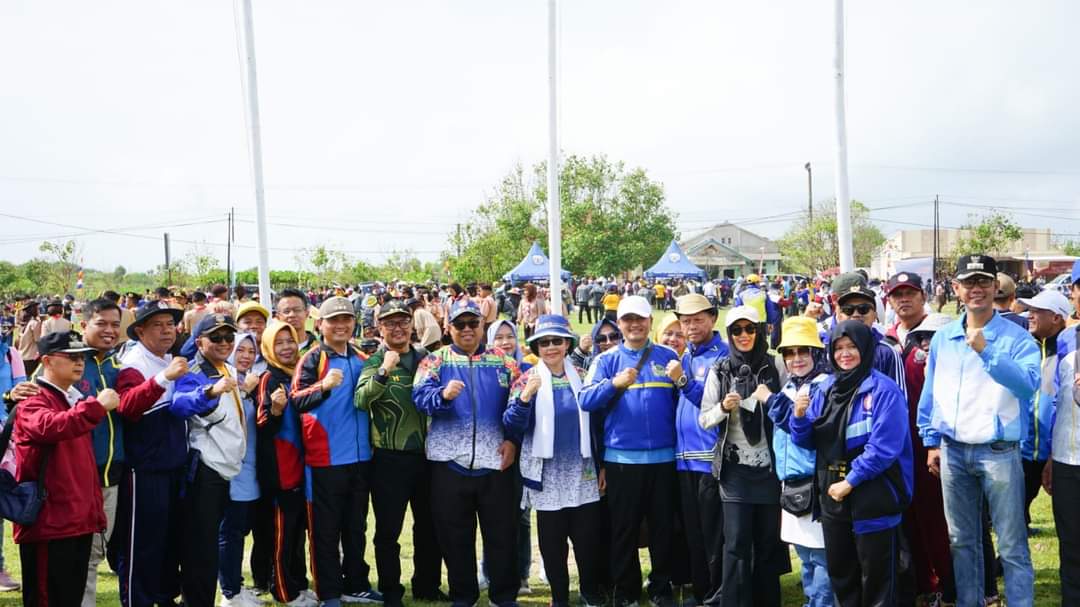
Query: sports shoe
[[302, 600], [252, 596], [524, 587], [371, 596], [7, 584], [238, 600], [481, 579], [310, 594]]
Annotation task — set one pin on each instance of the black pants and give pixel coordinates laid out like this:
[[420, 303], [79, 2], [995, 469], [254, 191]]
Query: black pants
[[1032, 483], [751, 544], [203, 507], [54, 571], [457, 502], [400, 479], [146, 542], [703, 522], [586, 310], [862, 567], [262, 541], [636, 493], [287, 575], [1065, 498], [338, 517], [581, 526]]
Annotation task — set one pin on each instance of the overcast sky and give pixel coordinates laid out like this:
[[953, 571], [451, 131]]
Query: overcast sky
[[386, 123]]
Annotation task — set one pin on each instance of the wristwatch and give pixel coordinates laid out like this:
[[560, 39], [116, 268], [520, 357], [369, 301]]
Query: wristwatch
[[381, 375], [682, 381]]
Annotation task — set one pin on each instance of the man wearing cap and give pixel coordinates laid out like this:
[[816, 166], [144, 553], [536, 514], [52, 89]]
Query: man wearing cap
[[856, 301], [981, 374], [251, 317], [630, 385], [337, 452], [758, 298], [218, 441], [465, 389], [1005, 299], [700, 509], [907, 298], [51, 437], [400, 473]]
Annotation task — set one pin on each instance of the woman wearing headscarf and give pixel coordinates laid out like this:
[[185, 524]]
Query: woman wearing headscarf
[[669, 333], [557, 464], [502, 335], [743, 462], [807, 367], [857, 423]]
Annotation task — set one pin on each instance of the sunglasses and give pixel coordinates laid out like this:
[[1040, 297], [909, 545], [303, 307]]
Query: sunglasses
[[738, 330], [604, 338], [863, 309], [553, 341], [796, 351], [983, 282], [462, 324], [218, 338], [74, 357]]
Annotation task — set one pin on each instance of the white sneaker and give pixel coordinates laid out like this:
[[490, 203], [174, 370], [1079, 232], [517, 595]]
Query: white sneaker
[[237, 600], [302, 600], [251, 597], [481, 579], [310, 594]]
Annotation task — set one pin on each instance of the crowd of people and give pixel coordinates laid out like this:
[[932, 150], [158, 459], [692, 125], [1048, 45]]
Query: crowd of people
[[881, 440]]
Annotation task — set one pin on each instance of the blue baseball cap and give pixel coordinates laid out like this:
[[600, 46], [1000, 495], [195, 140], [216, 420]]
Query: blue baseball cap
[[463, 306]]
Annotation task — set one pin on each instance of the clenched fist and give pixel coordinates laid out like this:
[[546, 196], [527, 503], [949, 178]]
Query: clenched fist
[[251, 381], [390, 360], [625, 378], [674, 370], [333, 379], [109, 399], [278, 400], [177, 368], [976, 339], [731, 401], [532, 385], [802, 403], [762, 394], [222, 386], [452, 389]]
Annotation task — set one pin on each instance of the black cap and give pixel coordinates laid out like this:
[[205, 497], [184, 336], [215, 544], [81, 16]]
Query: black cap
[[976, 265], [61, 341], [851, 284], [412, 301], [150, 309], [213, 322], [904, 279], [392, 307], [55, 303]]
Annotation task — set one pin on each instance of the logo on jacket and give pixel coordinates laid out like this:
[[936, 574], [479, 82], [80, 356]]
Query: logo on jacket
[[658, 369], [867, 403]]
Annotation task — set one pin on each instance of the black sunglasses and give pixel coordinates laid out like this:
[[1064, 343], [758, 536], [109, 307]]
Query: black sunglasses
[[604, 338], [738, 330], [552, 341], [461, 324], [218, 338], [863, 308], [794, 351]]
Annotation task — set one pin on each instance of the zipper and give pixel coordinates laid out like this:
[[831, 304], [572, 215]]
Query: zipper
[[472, 398], [112, 431]]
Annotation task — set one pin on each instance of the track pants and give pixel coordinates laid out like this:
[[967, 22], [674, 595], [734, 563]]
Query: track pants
[[703, 522], [400, 479], [581, 526], [751, 544], [1065, 498], [262, 542], [205, 498], [636, 493], [144, 548], [862, 567], [54, 571], [235, 526], [457, 502], [287, 572], [337, 516], [97, 547]]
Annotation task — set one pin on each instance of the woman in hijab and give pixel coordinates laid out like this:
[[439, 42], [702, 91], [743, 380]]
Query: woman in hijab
[[669, 333], [557, 465], [857, 423], [743, 462], [502, 335]]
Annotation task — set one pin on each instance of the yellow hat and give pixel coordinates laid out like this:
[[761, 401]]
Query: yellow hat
[[252, 306], [753, 279], [800, 331]]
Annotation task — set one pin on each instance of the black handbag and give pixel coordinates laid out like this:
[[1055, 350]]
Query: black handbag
[[797, 495], [20, 503]]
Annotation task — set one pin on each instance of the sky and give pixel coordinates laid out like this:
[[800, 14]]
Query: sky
[[385, 124]]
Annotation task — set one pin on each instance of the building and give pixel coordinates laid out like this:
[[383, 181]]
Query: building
[[1034, 253], [725, 249]]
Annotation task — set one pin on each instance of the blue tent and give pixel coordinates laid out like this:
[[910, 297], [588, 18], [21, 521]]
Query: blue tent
[[674, 264], [534, 268]]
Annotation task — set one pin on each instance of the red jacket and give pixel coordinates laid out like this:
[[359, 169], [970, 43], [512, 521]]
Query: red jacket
[[74, 504]]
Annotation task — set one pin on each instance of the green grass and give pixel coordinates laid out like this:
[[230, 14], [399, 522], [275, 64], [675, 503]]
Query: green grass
[[1044, 554]]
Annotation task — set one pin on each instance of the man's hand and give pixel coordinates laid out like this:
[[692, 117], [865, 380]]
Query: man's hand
[[452, 389], [674, 370], [333, 379], [839, 490], [278, 400], [532, 385], [933, 461], [506, 452], [1048, 477], [390, 360], [731, 401], [251, 381], [178, 367], [24, 390], [976, 339], [625, 378], [585, 344], [109, 399], [802, 403], [762, 393], [222, 386]]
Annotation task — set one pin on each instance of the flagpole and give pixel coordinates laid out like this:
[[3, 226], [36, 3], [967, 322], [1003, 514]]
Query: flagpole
[[249, 83], [843, 196], [554, 202]]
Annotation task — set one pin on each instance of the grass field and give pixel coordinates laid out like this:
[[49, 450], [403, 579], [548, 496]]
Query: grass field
[[1044, 553]]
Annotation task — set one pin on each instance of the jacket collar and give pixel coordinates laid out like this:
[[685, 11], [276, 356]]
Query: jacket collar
[[867, 385], [71, 395], [628, 350], [712, 345], [991, 330]]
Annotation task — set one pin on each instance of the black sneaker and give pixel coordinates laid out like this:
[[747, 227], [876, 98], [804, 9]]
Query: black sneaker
[[438, 597]]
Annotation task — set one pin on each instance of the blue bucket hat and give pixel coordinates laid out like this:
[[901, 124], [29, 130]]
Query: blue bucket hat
[[553, 325]]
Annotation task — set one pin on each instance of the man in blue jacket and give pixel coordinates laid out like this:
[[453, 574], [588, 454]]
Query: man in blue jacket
[[638, 399], [465, 389], [981, 375]]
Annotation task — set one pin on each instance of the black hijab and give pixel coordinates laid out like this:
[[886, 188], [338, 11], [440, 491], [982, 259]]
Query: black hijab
[[847, 382], [744, 371]]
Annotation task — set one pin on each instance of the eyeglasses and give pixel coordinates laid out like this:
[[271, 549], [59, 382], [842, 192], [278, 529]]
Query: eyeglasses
[[983, 282], [738, 330], [74, 357], [604, 338], [863, 309], [396, 324], [218, 338], [796, 351], [552, 341], [460, 325]]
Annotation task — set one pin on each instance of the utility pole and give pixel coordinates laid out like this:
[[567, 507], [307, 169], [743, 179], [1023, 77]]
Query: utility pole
[[937, 240], [843, 198], [228, 250], [553, 201], [809, 192], [168, 266]]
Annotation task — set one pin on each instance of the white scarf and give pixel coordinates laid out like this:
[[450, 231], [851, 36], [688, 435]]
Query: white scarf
[[543, 438]]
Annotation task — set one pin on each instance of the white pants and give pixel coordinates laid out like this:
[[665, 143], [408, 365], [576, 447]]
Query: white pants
[[97, 547]]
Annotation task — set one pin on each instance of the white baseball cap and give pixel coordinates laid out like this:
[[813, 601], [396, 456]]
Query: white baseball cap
[[1049, 300], [636, 305], [742, 313]]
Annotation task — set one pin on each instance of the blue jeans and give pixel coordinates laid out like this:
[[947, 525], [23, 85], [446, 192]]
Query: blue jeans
[[815, 576], [235, 525], [968, 472]]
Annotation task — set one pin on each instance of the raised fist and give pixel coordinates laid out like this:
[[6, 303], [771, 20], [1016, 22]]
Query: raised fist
[[390, 360], [333, 379], [532, 385], [452, 389], [251, 381], [278, 400], [222, 386], [177, 368], [625, 378], [109, 399], [674, 370]]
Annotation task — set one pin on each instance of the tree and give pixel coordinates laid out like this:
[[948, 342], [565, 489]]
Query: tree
[[327, 263], [612, 220], [14, 280], [992, 235], [203, 264], [1071, 247], [63, 265], [810, 247]]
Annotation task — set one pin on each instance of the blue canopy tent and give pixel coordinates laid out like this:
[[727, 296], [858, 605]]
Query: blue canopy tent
[[674, 264], [534, 268]]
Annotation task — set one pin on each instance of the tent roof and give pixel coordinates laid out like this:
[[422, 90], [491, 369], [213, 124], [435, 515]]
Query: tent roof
[[674, 264], [533, 268]]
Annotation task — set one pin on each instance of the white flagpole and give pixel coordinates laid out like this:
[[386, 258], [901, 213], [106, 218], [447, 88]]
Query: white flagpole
[[250, 85], [843, 197], [554, 202]]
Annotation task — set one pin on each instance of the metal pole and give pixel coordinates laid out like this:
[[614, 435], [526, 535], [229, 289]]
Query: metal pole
[[937, 244], [168, 266], [809, 192], [228, 251], [554, 212], [843, 197], [249, 82]]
